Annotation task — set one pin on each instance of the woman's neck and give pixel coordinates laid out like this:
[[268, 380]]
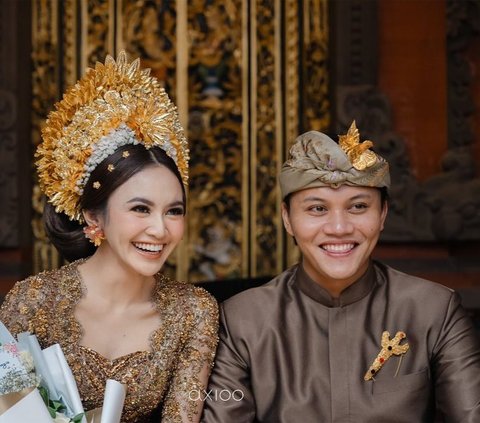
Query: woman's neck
[[109, 278]]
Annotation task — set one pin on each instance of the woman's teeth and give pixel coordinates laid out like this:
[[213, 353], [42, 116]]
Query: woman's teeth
[[154, 248]]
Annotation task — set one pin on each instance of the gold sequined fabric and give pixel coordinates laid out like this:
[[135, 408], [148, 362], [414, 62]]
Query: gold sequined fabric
[[158, 381]]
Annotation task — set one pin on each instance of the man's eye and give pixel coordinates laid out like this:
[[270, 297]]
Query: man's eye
[[359, 206], [318, 209], [176, 211]]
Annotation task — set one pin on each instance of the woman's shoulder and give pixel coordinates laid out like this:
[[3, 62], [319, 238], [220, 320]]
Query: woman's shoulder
[[45, 282], [185, 293]]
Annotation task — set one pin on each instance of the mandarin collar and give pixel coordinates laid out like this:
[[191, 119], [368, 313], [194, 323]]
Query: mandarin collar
[[356, 291]]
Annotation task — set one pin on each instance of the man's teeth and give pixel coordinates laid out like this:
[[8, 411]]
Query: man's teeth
[[156, 248], [338, 248]]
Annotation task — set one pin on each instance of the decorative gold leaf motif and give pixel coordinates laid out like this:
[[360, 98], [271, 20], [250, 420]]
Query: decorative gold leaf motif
[[357, 152]]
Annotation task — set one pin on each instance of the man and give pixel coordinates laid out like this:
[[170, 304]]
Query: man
[[340, 337]]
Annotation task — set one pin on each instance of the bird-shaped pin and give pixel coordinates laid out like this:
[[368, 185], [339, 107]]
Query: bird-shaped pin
[[357, 152]]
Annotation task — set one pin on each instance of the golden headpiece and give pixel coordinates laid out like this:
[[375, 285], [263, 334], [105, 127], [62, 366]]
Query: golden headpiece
[[114, 104], [318, 161]]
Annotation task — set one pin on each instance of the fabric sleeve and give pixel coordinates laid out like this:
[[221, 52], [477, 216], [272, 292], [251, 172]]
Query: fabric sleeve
[[22, 306], [456, 366], [184, 400], [230, 397]]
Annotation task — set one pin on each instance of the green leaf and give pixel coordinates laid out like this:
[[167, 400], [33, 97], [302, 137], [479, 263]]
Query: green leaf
[[57, 405], [52, 412], [78, 418], [44, 394]]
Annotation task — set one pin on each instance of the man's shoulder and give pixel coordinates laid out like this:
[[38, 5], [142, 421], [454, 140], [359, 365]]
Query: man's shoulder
[[403, 285], [261, 297]]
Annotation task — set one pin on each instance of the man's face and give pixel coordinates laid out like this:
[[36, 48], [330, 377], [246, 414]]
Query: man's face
[[336, 230]]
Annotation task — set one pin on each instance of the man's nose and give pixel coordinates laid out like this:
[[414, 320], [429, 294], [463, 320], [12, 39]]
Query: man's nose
[[338, 223]]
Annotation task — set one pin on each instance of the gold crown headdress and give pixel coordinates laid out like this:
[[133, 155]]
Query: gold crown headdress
[[114, 104]]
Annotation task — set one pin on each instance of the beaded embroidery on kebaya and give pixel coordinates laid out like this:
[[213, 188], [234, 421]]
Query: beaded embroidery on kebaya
[[184, 343]]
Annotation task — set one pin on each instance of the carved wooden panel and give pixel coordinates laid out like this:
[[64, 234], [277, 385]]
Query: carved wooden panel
[[233, 69], [9, 177]]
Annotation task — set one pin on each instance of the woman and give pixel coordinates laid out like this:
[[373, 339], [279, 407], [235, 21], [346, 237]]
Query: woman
[[113, 164]]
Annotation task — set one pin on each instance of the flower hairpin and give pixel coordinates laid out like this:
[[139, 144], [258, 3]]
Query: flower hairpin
[[389, 347]]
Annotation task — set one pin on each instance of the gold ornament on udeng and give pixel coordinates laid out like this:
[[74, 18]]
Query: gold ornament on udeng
[[358, 152]]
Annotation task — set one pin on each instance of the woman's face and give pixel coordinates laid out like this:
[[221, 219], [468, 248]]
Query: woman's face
[[144, 220]]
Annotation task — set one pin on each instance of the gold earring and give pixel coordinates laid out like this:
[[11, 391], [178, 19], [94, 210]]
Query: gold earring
[[94, 234]]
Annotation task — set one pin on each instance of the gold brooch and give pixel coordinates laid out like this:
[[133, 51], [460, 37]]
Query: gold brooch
[[389, 347], [358, 152]]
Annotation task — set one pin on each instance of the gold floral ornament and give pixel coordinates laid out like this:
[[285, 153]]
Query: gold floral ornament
[[114, 104], [389, 347], [358, 153]]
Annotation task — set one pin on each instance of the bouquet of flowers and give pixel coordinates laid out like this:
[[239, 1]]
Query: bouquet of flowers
[[39, 383]]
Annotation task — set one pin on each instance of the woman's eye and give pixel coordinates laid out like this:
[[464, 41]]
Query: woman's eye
[[176, 211], [141, 209]]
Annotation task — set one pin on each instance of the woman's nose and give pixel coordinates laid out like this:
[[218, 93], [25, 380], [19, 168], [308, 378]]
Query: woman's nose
[[338, 224], [157, 227]]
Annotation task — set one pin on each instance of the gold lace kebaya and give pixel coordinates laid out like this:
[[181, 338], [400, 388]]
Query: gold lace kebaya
[[158, 381]]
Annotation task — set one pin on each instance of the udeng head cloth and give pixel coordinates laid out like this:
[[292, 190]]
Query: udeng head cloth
[[318, 161]]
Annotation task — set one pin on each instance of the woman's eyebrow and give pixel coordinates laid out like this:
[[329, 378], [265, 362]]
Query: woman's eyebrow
[[140, 200]]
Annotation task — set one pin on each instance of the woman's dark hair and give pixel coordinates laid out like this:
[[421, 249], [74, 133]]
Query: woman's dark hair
[[383, 198], [67, 235]]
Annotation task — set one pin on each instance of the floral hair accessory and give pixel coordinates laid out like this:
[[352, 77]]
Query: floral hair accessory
[[114, 104], [95, 234]]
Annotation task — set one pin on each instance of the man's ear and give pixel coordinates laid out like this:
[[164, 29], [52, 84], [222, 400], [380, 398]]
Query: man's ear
[[286, 219], [383, 216], [91, 218]]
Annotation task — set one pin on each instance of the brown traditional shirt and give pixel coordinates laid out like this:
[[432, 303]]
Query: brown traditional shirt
[[290, 353], [158, 380]]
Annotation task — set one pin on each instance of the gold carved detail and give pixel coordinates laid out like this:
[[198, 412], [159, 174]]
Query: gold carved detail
[[45, 91], [316, 106], [69, 20], [215, 135], [97, 31], [265, 201], [148, 32], [292, 97]]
